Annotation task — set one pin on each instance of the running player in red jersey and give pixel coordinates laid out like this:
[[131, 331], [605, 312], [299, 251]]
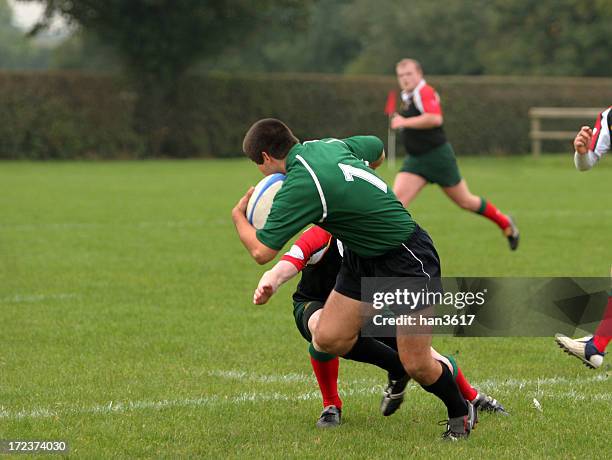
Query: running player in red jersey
[[590, 146], [430, 157], [318, 256]]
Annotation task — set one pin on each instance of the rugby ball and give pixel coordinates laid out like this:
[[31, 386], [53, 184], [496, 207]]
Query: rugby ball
[[261, 200]]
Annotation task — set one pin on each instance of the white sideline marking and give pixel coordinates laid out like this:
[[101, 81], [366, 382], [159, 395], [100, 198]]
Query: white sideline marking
[[115, 407], [18, 298], [516, 383], [243, 375], [485, 384], [281, 378]]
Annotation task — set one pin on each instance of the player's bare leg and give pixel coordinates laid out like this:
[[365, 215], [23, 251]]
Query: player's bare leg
[[415, 354], [338, 325], [337, 332], [407, 186], [414, 346], [462, 196], [465, 199]]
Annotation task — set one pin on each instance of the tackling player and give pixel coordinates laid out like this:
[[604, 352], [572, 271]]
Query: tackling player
[[590, 146], [328, 183], [318, 256]]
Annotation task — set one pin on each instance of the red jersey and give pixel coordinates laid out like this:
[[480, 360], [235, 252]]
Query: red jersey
[[318, 255]]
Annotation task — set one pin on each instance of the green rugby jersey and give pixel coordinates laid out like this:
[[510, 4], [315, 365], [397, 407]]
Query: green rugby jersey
[[329, 184]]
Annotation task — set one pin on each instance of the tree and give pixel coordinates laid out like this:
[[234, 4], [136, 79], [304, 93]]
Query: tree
[[158, 41], [446, 37], [16, 52], [550, 37]]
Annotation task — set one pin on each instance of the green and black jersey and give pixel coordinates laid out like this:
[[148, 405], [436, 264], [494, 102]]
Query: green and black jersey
[[328, 183]]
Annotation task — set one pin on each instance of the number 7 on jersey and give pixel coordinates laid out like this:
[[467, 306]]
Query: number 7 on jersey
[[350, 172]]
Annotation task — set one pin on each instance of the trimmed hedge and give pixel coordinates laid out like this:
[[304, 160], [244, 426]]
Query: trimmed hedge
[[67, 115], [76, 115]]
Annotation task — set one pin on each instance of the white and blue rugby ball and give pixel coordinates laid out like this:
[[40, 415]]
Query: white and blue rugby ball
[[261, 200]]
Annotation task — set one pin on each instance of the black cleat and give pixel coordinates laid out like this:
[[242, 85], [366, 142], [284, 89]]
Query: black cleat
[[486, 403], [513, 238], [330, 417], [459, 428], [393, 397]]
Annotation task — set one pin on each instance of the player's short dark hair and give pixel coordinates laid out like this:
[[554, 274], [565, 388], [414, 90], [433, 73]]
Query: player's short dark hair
[[268, 135]]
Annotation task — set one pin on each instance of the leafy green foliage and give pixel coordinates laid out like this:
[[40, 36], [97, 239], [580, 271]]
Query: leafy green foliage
[[157, 41], [553, 37], [71, 115], [16, 51], [471, 37]]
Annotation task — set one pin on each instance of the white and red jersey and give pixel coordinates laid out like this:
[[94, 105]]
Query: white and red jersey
[[318, 255], [423, 99], [600, 143]]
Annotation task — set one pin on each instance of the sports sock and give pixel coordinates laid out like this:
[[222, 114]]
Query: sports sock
[[467, 390], [603, 334], [371, 351], [492, 213], [446, 389], [327, 378], [319, 355]]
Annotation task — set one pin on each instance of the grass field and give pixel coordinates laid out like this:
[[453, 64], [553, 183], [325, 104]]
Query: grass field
[[127, 328]]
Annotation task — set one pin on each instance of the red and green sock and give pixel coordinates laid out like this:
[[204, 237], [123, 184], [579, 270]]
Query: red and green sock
[[603, 334], [467, 390], [489, 211], [325, 367]]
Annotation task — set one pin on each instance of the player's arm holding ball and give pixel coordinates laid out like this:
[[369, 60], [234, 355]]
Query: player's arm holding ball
[[247, 233]]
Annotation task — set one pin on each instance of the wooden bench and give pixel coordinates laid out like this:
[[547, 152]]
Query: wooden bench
[[536, 114]]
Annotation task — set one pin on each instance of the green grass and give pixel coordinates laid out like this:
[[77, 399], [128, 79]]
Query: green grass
[[127, 328]]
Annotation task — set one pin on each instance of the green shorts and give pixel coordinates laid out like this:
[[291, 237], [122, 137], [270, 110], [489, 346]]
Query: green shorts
[[302, 311], [438, 166]]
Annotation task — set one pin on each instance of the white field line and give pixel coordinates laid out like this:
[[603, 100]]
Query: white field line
[[28, 298], [281, 378], [115, 407], [484, 385], [204, 401]]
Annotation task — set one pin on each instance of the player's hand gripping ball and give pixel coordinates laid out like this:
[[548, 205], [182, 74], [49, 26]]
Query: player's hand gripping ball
[[261, 200]]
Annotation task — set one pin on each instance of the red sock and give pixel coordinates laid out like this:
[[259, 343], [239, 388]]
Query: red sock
[[465, 388], [327, 377], [492, 213], [603, 334]]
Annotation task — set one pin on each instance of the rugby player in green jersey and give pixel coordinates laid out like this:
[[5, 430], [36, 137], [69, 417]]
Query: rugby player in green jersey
[[318, 256], [329, 183]]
